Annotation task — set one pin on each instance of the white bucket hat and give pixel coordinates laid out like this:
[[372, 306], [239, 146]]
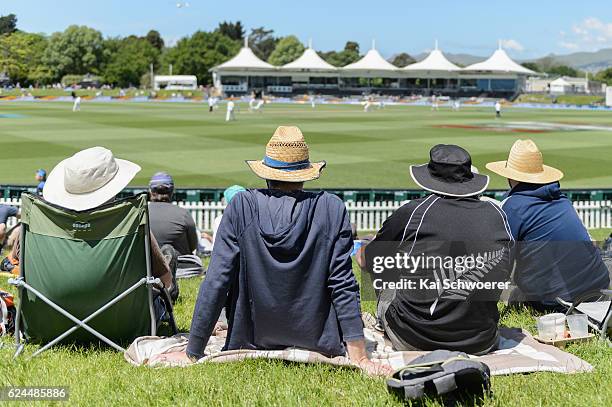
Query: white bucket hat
[[88, 179]]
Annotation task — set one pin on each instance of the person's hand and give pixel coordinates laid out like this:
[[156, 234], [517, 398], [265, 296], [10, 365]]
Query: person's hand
[[172, 358], [374, 368], [219, 328]]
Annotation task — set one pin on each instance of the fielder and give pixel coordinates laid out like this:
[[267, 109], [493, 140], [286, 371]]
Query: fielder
[[497, 109], [230, 115], [434, 103], [76, 107]]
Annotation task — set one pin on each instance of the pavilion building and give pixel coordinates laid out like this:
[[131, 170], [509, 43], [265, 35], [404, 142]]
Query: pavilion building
[[499, 75]]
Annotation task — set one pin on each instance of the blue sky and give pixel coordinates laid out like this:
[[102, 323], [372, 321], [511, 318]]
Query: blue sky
[[528, 28]]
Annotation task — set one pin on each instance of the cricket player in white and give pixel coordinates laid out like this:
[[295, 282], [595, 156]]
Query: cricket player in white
[[258, 106], [434, 102], [456, 105], [497, 109], [312, 101], [230, 111], [76, 107]]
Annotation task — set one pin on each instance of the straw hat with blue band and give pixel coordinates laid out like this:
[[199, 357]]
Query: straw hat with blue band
[[287, 158]]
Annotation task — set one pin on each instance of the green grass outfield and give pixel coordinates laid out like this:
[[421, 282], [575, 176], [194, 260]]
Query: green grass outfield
[[371, 150]]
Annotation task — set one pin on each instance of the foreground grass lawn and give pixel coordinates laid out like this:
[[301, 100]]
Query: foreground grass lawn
[[102, 377]]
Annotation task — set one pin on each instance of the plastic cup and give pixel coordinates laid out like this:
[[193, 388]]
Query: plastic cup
[[546, 328], [551, 326], [578, 325]]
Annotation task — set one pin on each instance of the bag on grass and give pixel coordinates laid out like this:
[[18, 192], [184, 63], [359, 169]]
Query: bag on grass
[[7, 313], [441, 373], [189, 266]]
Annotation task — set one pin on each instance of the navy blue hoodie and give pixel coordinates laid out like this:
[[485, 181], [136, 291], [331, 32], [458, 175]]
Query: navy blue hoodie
[[556, 257], [282, 266]]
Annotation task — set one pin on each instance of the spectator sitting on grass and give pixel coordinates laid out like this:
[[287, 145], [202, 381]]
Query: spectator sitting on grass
[[170, 224], [556, 257], [92, 178], [452, 222], [281, 263], [173, 227]]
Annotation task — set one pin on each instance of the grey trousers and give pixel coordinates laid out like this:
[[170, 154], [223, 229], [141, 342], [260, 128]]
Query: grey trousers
[[385, 298]]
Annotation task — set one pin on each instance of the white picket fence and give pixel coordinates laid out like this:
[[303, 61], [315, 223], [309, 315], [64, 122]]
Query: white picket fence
[[371, 215]]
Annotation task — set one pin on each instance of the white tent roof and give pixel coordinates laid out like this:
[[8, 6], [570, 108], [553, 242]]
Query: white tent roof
[[163, 78], [435, 61], [310, 60], [560, 82], [245, 59], [499, 62], [372, 61]]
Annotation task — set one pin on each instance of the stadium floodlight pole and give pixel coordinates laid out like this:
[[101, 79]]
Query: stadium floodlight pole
[[152, 77], [170, 68]]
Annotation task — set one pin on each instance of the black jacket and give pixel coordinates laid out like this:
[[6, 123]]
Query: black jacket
[[445, 226]]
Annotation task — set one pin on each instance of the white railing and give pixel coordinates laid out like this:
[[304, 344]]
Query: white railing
[[595, 214], [371, 215]]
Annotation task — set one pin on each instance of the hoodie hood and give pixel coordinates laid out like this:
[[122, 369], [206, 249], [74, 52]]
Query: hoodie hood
[[546, 192], [284, 218]]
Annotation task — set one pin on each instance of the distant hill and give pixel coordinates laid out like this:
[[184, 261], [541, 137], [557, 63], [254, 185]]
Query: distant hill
[[585, 61]]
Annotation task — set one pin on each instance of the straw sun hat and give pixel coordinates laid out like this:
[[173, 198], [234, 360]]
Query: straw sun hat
[[287, 158], [525, 164], [88, 179]]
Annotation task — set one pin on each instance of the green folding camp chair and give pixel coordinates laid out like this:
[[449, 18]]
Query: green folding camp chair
[[85, 277]]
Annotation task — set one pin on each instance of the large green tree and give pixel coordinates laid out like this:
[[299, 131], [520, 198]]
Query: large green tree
[[604, 76], [8, 24], [262, 42], [288, 49], [348, 55], [402, 60], [76, 50], [130, 58], [195, 55], [21, 56], [155, 39], [532, 65], [235, 31], [564, 70]]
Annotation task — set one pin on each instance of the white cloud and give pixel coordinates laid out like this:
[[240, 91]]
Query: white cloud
[[513, 45], [568, 45], [589, 34]]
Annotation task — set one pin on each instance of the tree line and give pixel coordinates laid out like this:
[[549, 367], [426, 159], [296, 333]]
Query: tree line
[[39, 59]]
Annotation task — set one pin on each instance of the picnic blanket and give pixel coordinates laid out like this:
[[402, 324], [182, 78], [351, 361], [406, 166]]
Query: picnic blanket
[[518, 352]]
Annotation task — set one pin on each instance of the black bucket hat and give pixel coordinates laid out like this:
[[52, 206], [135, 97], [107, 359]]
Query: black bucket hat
[[449, 172]]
